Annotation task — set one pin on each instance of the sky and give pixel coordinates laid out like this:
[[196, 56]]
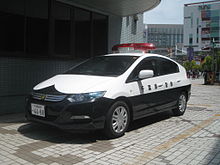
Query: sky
[[168, 12]]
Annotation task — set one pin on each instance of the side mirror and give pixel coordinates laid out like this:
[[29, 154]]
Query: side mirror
[[143, 74]]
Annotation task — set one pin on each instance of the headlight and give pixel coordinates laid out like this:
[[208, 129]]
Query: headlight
[[86, 97]]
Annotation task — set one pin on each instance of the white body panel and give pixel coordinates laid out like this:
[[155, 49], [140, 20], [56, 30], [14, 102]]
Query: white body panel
[[116, 86], [72, 84]]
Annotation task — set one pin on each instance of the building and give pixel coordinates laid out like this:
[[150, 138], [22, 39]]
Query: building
[[166, 37], [132, 29], [41, 38], [201, 25]]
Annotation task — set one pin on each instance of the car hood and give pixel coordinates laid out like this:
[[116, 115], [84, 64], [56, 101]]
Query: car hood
[[71, 84]]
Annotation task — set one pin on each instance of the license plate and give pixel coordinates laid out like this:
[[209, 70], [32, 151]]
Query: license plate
[[38, 110]]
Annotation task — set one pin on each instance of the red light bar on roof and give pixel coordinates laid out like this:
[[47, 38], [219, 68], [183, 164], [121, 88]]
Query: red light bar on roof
[[132, 47]]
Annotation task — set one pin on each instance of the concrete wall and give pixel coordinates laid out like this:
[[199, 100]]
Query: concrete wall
[[132, 29]]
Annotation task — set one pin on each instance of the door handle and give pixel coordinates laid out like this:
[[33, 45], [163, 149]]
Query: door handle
[[178, 81]]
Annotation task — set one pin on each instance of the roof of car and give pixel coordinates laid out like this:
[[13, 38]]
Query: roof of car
[[143, 55], [125, 54], [135, 54]]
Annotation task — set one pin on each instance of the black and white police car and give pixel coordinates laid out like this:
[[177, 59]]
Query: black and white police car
[[108, 92]]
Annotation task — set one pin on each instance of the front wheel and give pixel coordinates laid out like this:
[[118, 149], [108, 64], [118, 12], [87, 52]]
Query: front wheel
[[117, 120], [181, 105]]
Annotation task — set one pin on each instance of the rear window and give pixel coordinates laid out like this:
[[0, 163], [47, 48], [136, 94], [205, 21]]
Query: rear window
[[167, 67]]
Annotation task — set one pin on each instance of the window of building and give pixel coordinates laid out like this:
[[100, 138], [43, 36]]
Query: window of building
[[181, 38], [24, 28], [134, 25], [100, 27], [177, 38], [62, 29], [191, 20], [37, 27], [127, 20], [28, 29], [82, 33], [173, 40], [206, 15], [12, 26], [190, 39]]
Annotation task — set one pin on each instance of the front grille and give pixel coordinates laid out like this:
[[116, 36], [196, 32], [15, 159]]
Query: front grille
[[47, 97]]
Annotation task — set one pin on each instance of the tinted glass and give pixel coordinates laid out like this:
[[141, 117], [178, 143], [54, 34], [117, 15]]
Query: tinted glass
[[166, 66], [12, 25], [82, 33], [62, 29], [100, 31], [37, 26], [104, 66], [146, 64]]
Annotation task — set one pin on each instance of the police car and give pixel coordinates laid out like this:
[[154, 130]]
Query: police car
[[109, 92]]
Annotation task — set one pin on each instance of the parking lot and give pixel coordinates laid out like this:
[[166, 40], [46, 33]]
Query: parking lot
[[161, 139]]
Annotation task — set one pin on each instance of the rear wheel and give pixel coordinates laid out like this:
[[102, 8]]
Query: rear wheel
[[117, 120], [181, 105]]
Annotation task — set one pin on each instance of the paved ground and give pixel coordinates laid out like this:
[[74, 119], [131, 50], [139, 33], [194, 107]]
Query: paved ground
[[161, 140]]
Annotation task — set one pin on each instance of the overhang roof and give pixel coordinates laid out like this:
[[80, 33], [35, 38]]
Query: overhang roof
[[120, 7]]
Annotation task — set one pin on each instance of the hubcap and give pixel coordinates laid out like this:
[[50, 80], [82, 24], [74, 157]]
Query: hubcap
[[119, 119], [182, 103]]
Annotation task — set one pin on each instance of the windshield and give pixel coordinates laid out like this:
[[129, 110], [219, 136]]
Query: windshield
[[104, 66]]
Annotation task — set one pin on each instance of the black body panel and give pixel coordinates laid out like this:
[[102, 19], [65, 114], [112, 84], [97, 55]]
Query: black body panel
[[58, 114], [151, 103]]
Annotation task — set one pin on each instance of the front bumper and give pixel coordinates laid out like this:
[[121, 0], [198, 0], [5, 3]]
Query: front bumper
[[69, 116]]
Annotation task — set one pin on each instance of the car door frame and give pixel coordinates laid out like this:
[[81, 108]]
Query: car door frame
[[156, 94], [169, 80], [146, 98]]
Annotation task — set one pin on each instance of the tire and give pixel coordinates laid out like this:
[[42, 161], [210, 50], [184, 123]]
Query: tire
[[117, 120], [181, 105]]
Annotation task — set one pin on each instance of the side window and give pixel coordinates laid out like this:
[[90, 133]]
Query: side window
[[166, 67], [146, 64]]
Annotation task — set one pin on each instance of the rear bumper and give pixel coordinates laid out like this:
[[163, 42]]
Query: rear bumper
[[71, 116]]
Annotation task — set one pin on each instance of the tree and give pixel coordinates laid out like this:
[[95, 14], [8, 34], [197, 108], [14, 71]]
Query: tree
[[207, 64], [197, 67], [191, 65], [187, 65], [207, 68], [218, 60]]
